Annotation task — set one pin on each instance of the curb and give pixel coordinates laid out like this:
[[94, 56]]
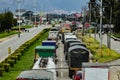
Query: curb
[[5, 38], [115, 38]]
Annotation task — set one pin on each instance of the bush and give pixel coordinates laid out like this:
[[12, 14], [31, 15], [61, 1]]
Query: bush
[[1, 71], [6, 67], [18, 55], [11, 62], [14, 57]]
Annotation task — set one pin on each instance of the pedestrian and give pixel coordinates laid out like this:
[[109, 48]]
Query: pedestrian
[[18, 34]]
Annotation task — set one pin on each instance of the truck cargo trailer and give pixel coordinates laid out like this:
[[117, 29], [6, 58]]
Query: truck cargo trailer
[[95, 71]]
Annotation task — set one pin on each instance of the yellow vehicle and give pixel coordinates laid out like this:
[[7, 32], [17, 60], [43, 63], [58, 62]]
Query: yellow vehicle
[[66, 28]]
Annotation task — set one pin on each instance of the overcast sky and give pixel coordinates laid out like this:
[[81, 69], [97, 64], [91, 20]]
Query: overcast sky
[[44, 5]]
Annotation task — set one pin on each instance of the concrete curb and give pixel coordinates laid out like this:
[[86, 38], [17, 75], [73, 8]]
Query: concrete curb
[[115, 38], [3, 39]]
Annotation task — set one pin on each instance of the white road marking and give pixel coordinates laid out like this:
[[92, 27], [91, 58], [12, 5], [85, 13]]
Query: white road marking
[[61, 74]]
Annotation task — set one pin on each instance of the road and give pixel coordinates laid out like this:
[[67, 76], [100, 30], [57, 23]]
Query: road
[[62, 66], [114, 44], [114, 70], [14, 42]]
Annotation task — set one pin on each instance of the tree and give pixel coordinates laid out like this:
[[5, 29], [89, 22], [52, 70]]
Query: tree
[[6, 21], [117, 17], [8, 16], [2, 22], [108, 6]]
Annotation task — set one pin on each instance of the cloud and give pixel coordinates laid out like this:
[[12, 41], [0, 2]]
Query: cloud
[[45, 5]]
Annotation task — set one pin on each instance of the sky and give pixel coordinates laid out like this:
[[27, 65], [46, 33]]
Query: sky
[[44, 5]]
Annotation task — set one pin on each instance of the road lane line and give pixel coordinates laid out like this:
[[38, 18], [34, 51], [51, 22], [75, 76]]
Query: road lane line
[[61, 74]]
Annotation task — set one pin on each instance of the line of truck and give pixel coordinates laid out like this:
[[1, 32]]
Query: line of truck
[[75, 52], [44, 67], [76, 56]]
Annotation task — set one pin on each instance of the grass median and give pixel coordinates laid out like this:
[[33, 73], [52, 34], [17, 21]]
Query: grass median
[[5, 34], [25, 63]]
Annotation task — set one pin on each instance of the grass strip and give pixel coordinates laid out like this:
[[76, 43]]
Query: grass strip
[[2, 35], [26, 26], [25, 62], [102, 55]]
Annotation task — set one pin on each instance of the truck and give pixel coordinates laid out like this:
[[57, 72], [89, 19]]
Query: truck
[[49, 43], [95, 71], [53, 34], [44, 52], [76, 56], [35, 74], [67, 46], [43, 69]]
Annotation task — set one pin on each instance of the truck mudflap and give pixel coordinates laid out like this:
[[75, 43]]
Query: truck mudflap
[[72, 71]]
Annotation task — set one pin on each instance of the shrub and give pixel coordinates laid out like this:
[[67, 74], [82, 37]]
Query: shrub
[[14, 57], [1, 71], [11, 62], [6, 67], [18, 55]]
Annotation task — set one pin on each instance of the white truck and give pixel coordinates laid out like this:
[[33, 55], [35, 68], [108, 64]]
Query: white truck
[[43, 69], [95, 71], [53, 34]]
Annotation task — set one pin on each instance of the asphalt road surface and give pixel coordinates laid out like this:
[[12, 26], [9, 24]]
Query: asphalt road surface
[[61, 66], [115, 45], [14, 42]]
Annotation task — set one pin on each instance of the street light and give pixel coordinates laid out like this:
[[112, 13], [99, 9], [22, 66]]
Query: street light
[[19, 21]]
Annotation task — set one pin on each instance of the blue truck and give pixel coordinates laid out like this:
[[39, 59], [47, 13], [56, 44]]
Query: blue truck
[[49, 43]]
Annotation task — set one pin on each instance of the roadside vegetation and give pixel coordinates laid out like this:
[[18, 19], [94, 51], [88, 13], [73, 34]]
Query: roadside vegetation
[[24, 55], [8, 24], [26, 26], [101, 55], [116, 35], [5, 34], [13, 31]]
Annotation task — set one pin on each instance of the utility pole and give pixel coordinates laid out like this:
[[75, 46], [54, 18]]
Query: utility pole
[[109, 46], [35, 14], [90, 17], [109, 33], [101, 15], [90, 13], [19, 21], [84, 19]]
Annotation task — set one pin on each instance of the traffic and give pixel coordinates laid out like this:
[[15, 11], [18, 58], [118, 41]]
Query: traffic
[[46, 55]]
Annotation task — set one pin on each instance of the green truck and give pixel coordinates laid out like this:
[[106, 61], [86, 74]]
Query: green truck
[[45, 52]]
